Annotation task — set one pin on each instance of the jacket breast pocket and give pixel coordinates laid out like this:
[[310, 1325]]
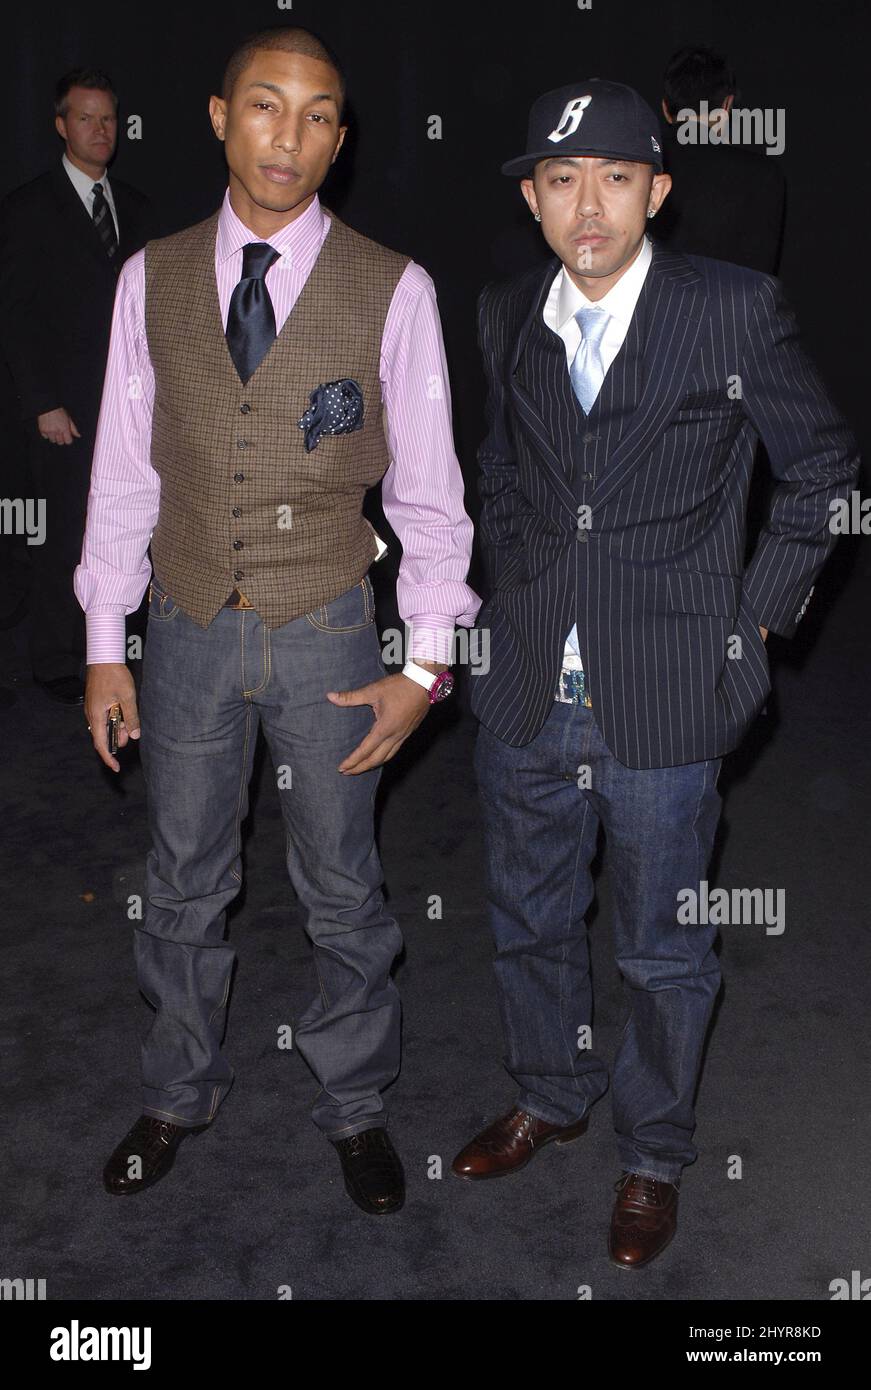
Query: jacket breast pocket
[[698, 406], [705, 396]]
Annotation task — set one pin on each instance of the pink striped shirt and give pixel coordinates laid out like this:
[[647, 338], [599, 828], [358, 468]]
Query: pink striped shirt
[[422, 490]]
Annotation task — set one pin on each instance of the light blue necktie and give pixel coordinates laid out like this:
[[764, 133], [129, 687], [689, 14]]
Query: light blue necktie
[[587, 371]]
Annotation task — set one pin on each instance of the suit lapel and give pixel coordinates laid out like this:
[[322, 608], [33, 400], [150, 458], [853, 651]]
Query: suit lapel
[[674, 304], [75, 217], [527, 409], [128, 224]]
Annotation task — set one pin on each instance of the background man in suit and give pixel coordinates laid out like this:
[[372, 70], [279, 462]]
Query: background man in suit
[[63, 238], [627, 387], [726, 200]]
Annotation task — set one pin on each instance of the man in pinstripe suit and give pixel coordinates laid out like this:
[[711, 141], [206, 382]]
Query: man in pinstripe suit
[[628, 386]]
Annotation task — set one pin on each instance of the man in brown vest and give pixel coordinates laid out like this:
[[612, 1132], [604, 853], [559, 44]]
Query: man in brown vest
[[240, 427]]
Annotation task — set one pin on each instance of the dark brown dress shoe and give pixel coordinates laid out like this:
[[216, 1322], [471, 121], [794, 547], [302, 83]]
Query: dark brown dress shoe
[[643, 1221], [154, 1142], [509, 1143], [373, 1173]]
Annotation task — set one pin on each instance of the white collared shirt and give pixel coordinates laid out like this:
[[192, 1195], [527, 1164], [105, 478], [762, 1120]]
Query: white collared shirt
[[563, 302], [84, 186]]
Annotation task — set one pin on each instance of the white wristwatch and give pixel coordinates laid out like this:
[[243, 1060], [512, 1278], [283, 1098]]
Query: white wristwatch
[[418, 673], [438, 687]]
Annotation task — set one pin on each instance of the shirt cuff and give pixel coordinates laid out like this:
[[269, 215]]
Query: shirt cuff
[[431, 639], [106, 638]]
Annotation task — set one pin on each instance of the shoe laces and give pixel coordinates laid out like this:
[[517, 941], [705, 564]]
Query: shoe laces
[[367, 1140], [155, 1133], [638, 1187], [504, 1131]]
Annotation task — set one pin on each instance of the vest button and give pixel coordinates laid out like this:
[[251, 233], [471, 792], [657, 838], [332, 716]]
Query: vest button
[[589, 439], [582, 536], [245, 408], [237, 511], [241, 443], [588, 477], [238, 477], [237, 545], [238, 574]]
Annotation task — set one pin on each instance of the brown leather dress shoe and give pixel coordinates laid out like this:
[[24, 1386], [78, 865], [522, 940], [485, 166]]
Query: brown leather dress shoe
[[643, 1221], [509, 1143], [153, 1143]]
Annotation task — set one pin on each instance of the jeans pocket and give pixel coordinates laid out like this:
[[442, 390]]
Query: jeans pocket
[[160, 606], [348, 612]]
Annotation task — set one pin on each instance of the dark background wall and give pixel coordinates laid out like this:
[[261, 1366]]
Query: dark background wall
[[477, 66]]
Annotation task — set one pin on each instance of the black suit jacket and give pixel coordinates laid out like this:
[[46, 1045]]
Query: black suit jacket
[[656, 580], [726, 201], [57, 292]]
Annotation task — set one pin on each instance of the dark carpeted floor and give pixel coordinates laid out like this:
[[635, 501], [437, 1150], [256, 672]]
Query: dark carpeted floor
[[256, 1203]]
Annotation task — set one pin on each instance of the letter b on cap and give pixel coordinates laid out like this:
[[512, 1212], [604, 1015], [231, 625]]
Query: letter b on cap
[[570, 118]]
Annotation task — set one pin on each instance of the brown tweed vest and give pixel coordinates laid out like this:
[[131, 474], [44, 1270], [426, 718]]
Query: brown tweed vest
[[242, 505]]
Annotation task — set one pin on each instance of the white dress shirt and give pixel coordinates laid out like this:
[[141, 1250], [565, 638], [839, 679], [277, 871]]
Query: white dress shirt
[[563, 302], [84, 186]]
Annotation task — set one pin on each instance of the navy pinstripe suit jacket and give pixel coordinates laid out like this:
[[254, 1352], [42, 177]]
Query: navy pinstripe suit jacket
[[654, 575]]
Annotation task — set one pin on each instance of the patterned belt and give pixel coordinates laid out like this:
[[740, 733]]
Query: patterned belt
[[572, 689], [237, 600]]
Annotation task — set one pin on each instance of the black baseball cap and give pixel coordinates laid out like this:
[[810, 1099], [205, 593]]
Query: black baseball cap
[[593, 117]]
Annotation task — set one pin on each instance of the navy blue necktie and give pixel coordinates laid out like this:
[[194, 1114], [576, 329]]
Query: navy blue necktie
[[251, 319], [102, 219]]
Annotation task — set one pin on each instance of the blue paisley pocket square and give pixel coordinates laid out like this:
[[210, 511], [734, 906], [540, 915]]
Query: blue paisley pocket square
[[336, 407]]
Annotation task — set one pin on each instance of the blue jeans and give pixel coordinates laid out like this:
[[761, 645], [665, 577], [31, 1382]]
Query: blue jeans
[[204, 694], [540, 828]]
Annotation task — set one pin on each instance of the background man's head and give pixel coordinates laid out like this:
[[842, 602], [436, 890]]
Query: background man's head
[[86, 117], [280, 117], [694, 75]]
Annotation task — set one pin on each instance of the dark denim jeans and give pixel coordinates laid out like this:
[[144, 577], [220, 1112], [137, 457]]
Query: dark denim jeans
[[204, 694], [540, 831]]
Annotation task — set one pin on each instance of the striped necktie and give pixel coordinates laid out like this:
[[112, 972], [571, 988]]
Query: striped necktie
[[103, 221], [587, 371]]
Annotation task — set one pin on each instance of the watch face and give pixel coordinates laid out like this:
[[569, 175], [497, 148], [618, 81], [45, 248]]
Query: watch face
[[444, 684]]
